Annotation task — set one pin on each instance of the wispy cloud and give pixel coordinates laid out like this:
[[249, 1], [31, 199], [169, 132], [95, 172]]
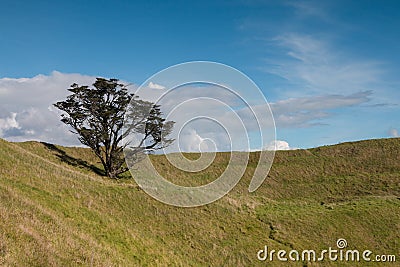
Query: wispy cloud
[[307, 111], [308, 9], [302, 112], [323, 102], [315, 66]]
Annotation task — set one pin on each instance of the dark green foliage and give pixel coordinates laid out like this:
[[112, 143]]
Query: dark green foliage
[[97, 116]]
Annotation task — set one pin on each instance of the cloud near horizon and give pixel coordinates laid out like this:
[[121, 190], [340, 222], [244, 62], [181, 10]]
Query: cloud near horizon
[[394, 133], [279, 145], [27, 112]]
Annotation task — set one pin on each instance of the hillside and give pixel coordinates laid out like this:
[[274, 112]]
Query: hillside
[[56, 211]]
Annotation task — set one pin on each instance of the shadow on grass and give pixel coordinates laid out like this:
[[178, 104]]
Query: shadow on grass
[[73, 161]]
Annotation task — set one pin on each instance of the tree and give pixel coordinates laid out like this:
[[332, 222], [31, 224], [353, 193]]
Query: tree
[[104, 116]]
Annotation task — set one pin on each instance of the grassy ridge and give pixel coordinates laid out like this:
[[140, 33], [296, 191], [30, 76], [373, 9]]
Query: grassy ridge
[[56, 211]]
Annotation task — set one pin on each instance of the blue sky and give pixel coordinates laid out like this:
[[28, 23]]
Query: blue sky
[[328, 68]]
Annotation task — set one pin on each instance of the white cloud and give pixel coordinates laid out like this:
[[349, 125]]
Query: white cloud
[[279, 145], [8, 123], [215, 109], [394, 133], [155, 86], [26, 107], [193, 142], [27, 112]]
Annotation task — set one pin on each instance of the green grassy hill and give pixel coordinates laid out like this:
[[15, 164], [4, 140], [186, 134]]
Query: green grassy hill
[[56, 211]]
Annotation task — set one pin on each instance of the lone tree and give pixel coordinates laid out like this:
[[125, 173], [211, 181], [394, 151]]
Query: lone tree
[[104, 116]]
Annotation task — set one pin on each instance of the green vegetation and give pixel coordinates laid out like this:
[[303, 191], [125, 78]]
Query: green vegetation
[[55, 211], [104, 115]]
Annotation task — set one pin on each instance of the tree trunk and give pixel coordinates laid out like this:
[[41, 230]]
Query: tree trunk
[[110, 172]]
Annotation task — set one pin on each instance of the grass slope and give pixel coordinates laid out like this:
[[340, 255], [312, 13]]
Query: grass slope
[[56, 211]]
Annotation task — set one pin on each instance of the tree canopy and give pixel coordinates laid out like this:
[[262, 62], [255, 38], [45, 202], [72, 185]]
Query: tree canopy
[[104, 115]]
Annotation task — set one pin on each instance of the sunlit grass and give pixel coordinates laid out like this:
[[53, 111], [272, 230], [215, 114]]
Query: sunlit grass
[[55, 211]]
